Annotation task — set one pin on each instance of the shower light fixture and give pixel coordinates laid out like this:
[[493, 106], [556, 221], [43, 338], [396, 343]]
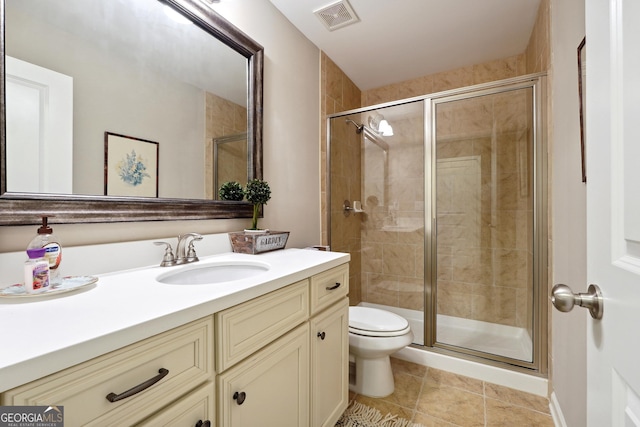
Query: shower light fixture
[[385, 128], [380, 125]]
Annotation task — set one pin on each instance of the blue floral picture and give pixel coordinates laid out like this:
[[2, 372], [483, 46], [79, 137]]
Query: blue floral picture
[[131, 166], [132, 169]]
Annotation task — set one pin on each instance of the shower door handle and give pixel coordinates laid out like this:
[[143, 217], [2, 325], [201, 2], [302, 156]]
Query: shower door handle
[[563, 298]]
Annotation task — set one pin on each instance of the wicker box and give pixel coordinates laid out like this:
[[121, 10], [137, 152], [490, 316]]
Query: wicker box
[[254, 243]]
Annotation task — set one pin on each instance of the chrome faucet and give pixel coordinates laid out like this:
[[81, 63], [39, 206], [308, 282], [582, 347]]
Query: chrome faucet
[[186, 254]]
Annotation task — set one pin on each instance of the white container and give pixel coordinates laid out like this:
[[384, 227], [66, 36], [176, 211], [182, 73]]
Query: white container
[[36, 271], [46, 239]]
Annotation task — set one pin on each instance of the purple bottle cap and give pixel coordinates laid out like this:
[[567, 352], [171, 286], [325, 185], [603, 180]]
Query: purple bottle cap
[[36, 252]]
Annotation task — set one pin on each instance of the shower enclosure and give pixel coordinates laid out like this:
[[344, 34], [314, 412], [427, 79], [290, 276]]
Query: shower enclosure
[[441, 202]]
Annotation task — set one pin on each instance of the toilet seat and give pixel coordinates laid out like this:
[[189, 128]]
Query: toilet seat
[[373, 322]]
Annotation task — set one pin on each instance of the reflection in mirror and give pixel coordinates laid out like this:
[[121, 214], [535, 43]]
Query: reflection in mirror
[[131, 81], [229, 154], [76, 69]]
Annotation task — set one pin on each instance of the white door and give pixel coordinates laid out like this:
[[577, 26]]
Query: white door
[[613, 210], [39, 120]]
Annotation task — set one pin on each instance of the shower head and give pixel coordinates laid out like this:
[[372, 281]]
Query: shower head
[[358, 127]]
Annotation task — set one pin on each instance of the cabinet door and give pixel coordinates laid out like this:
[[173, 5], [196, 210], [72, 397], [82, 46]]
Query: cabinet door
[[329, 364], [271, 387]]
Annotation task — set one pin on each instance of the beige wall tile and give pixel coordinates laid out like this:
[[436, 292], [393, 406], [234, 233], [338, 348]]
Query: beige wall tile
[[453, 79]]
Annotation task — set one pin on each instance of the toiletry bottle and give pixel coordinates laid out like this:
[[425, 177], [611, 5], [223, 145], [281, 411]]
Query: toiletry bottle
[[36, 271], [46, 239]]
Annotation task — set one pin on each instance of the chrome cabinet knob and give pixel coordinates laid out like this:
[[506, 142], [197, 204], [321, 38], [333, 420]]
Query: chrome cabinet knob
[[563, 298]]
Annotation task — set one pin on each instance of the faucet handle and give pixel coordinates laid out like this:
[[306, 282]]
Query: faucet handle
[[168, 259], [191, 252]]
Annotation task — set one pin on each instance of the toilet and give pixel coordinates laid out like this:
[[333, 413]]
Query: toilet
[[374, 335]]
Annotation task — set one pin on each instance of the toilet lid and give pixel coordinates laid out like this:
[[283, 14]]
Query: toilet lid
[[376, 323]]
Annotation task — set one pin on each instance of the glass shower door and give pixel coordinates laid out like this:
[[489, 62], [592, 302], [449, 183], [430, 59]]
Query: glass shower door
[[379, 166], [483, 239]]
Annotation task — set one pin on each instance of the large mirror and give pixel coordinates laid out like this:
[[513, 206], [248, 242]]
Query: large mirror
[[114, 110]]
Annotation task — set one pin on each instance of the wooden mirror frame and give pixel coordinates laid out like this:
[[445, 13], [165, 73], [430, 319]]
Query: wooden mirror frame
[[28, 208]]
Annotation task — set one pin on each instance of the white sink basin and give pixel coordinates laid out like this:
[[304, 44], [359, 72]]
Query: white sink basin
[[209, 273]]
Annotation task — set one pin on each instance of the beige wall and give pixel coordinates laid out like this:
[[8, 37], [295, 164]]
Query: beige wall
[[291, 134]]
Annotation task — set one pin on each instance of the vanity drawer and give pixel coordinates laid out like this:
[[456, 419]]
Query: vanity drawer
[[186, 352], [245, 328], [197, 406], [328, 287]]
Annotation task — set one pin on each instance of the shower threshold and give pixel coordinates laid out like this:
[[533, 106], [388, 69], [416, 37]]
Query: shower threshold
[[491, 338]]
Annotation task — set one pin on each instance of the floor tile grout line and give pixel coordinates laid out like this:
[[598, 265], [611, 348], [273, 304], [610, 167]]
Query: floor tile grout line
[[484, 402], [415, 407], [528, 408]]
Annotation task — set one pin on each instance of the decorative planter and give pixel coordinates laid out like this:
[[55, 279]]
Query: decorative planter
[[257, 242]]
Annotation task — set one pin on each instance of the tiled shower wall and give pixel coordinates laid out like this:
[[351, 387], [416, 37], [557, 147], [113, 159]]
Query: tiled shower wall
[[340, 94], [393, 228], [484, 209]]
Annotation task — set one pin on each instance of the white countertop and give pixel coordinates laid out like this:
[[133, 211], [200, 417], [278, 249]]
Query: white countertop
[[43, 335]]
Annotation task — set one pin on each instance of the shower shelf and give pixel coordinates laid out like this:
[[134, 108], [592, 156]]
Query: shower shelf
[[347, 208]]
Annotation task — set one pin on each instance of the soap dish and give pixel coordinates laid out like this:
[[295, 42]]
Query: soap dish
[[68, 284]]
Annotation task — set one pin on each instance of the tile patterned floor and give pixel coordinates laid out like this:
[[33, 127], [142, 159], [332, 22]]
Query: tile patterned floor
[[438, 398]]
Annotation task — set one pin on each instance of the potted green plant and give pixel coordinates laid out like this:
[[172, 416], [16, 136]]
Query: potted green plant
[[231, 190], [258, 193]]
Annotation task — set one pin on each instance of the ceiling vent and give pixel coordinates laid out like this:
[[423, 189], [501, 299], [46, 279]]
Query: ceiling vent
[[337, 15]]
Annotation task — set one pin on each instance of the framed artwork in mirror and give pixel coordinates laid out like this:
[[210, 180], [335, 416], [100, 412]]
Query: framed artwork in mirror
[[130, 166], [582, 95]]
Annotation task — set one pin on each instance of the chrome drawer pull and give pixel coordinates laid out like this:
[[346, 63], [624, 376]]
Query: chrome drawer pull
[[112, 397], [336, 286]]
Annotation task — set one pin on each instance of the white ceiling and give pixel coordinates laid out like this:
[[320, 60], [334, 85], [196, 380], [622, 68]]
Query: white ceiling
[[397, 40]]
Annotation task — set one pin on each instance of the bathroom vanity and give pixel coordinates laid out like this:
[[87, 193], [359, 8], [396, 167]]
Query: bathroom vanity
[[267, 350]]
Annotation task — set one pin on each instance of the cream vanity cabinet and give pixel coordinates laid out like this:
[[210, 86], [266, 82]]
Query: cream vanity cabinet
[[282, 359], [166, 367]]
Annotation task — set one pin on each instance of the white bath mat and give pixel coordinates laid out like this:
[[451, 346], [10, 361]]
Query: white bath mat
[[359, 415]]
